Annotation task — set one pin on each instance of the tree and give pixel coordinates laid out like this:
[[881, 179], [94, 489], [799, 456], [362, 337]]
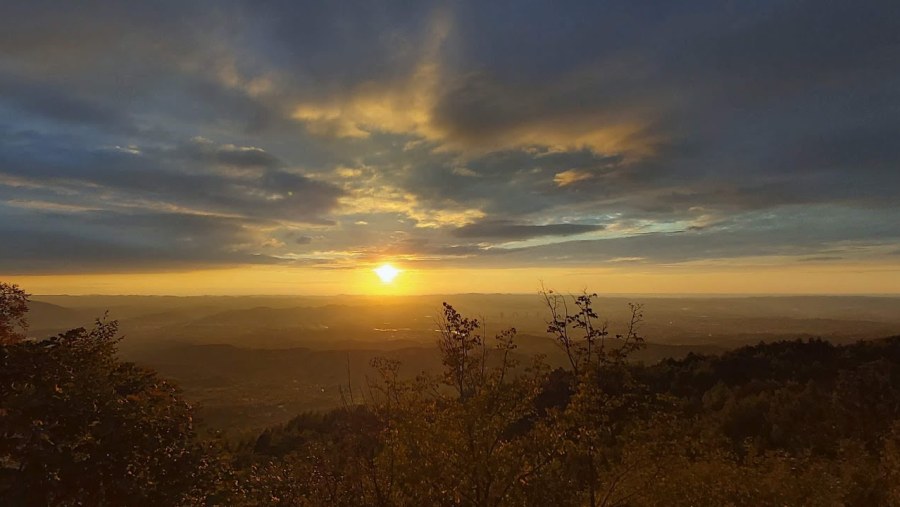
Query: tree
[[78, 426], [465, 354], [890, 464], [581, 334], [605, 396], [13, 307], [468, 437]]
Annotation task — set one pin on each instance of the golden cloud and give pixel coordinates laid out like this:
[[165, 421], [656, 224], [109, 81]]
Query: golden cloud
[[387, 199], [571, 176], [403, 107], [408, 106]]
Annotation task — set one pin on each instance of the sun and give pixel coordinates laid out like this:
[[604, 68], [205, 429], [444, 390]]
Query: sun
[[387, 273]]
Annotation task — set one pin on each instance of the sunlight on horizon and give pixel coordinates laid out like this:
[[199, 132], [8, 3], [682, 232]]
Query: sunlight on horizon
[[386, 273], [278, 280]]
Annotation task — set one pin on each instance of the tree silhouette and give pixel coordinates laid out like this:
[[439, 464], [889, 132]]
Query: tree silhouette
[[13, 307], [80, 427], [787, 423]]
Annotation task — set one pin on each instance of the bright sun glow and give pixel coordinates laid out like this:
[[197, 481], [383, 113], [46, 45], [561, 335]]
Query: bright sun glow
[[387, 273]]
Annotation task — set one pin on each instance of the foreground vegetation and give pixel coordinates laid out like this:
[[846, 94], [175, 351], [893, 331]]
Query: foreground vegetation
[[787, 423]]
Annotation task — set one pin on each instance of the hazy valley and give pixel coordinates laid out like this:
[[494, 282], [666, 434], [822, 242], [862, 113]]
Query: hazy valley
[[251, 362]]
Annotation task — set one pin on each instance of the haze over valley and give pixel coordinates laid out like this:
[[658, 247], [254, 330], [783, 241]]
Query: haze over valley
[[253, 361]]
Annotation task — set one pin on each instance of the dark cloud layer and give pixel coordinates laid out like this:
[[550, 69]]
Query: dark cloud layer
[[504, 230], [190, 134]]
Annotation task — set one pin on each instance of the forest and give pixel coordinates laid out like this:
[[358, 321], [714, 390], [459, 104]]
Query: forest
[[791, 422]]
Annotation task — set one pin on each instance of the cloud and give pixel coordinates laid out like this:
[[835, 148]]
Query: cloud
[[691, 131], [198, 175], [474, 112], [570, 176], [103, 241], [395, 106], [40, 99], [817, 232], [395, 201], [181, 206], [505, 230], [245, 157], [505, 183]]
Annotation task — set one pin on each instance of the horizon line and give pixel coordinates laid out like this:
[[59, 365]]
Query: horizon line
[[599, 295]]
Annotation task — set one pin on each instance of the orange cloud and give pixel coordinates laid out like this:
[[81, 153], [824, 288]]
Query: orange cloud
[[411, 105], [571, 176]]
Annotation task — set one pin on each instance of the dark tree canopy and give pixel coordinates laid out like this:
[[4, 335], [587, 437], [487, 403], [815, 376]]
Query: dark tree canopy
[[80, 427], [786, 423], [13, 307]]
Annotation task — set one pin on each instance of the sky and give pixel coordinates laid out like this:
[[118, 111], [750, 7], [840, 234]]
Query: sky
[[283, 147]]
